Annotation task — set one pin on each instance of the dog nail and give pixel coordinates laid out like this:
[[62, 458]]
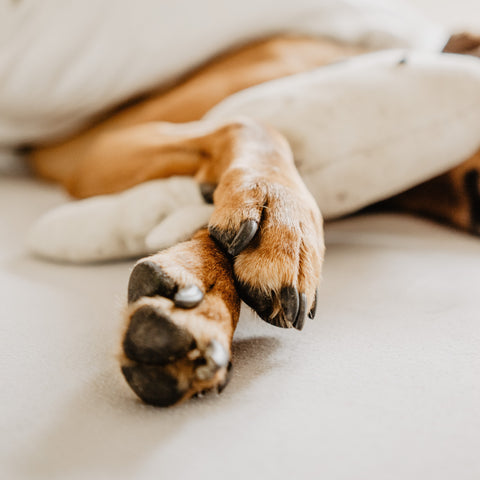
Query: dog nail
[[153, 384], [247, 231], [217, 354], [289, 300], [188, 297], [300, 320], [313, 310], [216, 357], [207, 189], [153, 338], [148, 279]]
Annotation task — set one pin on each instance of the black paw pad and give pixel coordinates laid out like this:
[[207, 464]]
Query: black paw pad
[[148, 279], [153, 384], [153, 338]]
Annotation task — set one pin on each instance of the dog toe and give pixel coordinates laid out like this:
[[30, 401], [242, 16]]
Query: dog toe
[[148, 279], [153, 338]]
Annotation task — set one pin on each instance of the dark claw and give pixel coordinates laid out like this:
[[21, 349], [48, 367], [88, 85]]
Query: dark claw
[[153, 384], [247, 231], [207, 189], [188, 297], [289, 299], [153, 338], [263, 305], [231, 242], [313, 310], [148, 279], [256, 299], [300, 320]]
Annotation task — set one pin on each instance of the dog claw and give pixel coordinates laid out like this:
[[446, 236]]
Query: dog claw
[[154, 339], [300, 319], [207, 190], [216, 357], [313, 310], [188, 297], [290, 303], [148, 279], [244, 236]]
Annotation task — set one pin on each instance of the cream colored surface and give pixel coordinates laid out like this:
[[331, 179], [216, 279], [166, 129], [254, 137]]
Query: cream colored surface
[[383, 384]]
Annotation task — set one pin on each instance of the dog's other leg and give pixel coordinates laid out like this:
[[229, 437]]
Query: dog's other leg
[[463, 43], [452, 198], [119, 139], [182, 313]]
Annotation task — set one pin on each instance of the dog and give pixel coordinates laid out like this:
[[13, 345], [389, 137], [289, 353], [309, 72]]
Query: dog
[[264, 243]]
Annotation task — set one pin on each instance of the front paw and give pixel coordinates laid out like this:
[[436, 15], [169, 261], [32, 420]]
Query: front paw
[[182, 313], [272, 228]]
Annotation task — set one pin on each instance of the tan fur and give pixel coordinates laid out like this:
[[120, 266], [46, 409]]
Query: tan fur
[[129, 137]]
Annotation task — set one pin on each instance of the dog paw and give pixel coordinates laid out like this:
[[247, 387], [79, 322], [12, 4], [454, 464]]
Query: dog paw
[[139, 221], [182, 313], [272, 228]]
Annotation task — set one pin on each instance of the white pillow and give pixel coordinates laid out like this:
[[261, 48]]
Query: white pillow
[[372, 126], [63, 62]]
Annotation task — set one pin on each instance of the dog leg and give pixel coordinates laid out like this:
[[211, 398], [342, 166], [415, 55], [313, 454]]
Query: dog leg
[[264, 216], [266, 219], [127, 140], [183, 310], [452, 198]]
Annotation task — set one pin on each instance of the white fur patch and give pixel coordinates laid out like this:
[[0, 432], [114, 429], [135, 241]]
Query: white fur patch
[[116, 226]]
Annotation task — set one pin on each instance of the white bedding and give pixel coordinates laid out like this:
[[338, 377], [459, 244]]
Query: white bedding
[[63, 62]]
